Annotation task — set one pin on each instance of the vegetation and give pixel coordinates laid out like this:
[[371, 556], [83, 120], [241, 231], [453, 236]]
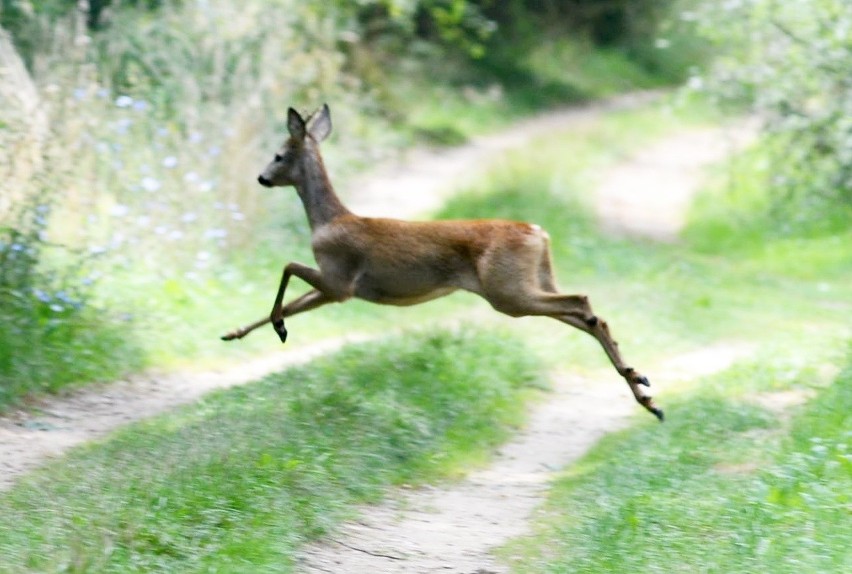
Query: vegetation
[[238, 481], [788, 62], [735, 484], [129, 212]]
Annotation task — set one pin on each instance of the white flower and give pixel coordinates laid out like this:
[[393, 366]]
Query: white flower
[[151, 184], [119, 210]]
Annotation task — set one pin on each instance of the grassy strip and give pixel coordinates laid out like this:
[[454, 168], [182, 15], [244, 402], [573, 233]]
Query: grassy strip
[[238, 481], [729, 486]]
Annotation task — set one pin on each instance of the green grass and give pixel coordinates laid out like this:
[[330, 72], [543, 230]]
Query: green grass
[[239, 480], [726, 486]]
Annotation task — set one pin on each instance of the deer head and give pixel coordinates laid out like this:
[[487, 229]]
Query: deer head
[[287, 167]]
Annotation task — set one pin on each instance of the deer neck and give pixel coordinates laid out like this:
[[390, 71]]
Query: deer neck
[[317, 194]]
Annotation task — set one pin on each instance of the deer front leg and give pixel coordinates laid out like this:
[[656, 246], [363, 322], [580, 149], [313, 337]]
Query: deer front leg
[[324, 292]]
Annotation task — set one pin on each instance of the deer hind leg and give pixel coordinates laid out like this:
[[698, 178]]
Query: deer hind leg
[[598, 329], [543, 298]]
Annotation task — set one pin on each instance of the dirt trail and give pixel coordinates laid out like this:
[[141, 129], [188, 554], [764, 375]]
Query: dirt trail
[[449, 529], [453, 529]]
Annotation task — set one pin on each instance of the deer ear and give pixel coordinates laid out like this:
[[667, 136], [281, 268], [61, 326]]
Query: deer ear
[[295, 124], [319, 125]]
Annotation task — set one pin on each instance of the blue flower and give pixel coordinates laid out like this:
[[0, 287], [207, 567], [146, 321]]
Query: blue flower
[[170, 162], [41, 295], [124, 101]]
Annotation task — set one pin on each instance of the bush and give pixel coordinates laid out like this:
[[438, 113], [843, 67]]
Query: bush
[[51, 332], [788, 62]]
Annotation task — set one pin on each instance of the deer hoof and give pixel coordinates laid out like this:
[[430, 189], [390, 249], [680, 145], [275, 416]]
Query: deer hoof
[[280, 329], [231, 336], [658, 413]]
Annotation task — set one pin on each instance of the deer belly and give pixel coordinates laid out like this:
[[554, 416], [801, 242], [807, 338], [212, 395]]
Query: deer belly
[[399, 290]]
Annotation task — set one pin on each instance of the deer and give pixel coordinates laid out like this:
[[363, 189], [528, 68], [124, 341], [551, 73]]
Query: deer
[[401, 263]]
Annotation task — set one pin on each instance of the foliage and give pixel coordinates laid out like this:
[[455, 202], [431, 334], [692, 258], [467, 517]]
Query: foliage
[[789, 62], [237, 481], [51, 331]]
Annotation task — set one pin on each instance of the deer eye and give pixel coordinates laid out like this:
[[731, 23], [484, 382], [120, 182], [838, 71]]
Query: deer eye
[[278, 157]]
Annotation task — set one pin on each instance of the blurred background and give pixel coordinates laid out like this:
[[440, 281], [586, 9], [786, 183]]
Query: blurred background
[[133, 235]]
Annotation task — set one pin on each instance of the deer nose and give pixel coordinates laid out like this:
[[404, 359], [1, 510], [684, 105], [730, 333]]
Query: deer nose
[[263, 181]]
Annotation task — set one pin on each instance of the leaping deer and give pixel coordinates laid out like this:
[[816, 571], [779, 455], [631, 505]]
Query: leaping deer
[[393, 262]]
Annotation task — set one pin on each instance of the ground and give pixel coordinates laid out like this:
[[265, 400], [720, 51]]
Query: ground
[[452, 528]]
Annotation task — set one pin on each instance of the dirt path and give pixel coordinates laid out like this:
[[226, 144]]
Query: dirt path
[[453, 528]]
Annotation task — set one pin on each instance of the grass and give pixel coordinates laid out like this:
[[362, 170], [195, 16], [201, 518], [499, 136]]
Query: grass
[[238, 481], [728, 486]]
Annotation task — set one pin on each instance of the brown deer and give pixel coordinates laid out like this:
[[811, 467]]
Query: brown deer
[[393, 262]]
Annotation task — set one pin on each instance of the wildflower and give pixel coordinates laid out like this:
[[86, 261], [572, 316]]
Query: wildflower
[[122, 125], [189, 217], [119, 210], [205, 186], [124, 101], [695, 83], [214, 151], [140, 105], [217, 233], [190, 177], [57, 308], [170, 162], [195, 137], [151, 184], [176, 234], [41, 295], [80, 94], [237, 216]]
